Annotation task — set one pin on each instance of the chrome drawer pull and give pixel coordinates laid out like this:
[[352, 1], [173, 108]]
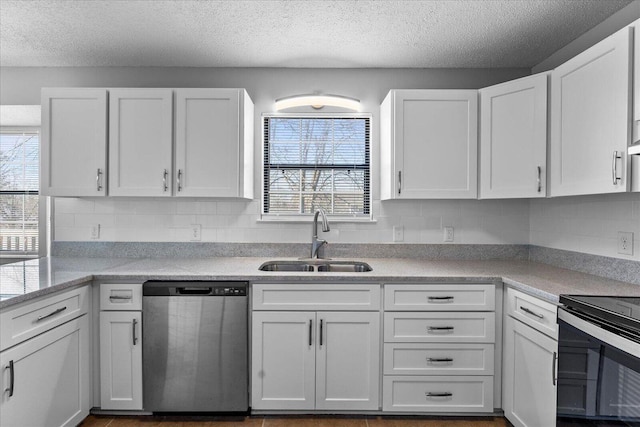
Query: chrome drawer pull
[[614, 168], [439, 359], [179, 179], [165, 174], [533, 313], [539, 179], [134, 323], [399, 182], [53, 313], [310, 331], [440, 328], [120, 297], [441, 394], [444, 299], [99, 180], [11, 378], [554, 376]]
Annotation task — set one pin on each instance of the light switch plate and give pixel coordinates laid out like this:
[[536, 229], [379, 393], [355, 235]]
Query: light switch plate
[[398, 233], [95, 231]]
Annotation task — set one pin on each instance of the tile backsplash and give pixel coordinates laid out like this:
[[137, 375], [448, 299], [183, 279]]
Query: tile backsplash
[[588, 224], [170, 220]]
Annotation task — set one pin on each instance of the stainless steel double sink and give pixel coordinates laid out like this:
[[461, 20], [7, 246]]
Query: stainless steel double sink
[[317, 265]]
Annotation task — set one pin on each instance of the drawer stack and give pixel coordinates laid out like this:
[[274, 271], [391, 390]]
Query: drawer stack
[[439, 348]]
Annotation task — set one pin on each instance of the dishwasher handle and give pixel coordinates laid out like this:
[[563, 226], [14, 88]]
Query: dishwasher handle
[[194, 291]]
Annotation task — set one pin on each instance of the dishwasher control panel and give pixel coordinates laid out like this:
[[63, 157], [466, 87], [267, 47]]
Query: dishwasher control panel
[[230, 291]]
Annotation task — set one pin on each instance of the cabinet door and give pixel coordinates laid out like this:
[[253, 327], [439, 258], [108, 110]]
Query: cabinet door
[[636, 81], [590, 114], [120, 360], [513, 140], [435, 144], [73, 158], [50, 378], [140, 137], [209, 143], [529, 390], [348, 361], [283, 360]]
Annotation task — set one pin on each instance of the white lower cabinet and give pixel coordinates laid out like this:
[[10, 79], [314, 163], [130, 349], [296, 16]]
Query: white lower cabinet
[[315, 360], [121, 360], [121, 346], [529, 371], [439, 342], [438, 394], [45, 380]]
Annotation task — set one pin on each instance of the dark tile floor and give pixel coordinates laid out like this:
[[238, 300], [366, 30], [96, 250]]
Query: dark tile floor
[[294, 421]]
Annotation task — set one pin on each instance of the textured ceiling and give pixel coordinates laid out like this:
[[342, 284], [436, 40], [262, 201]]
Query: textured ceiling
[[293, 33]]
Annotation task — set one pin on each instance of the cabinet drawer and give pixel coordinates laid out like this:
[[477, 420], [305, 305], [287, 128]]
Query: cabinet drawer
[[316, 297], [121, 296], [438, 394], [440, 297], [34, 318], [439, 327], [538, 314], [438, 359]]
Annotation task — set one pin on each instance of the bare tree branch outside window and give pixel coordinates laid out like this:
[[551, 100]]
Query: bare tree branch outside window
[[315, 162], [19, 183]]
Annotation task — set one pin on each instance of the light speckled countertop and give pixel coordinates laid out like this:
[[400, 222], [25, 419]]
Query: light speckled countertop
[[26, 280]]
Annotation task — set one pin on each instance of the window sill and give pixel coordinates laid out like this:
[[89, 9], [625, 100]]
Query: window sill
[[270, 218]]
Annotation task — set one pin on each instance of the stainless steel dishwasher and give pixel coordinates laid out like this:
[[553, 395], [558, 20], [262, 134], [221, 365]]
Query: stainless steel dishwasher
[[195, 346]]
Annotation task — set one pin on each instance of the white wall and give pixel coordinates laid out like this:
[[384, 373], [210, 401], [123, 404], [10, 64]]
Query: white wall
[[588, 224]]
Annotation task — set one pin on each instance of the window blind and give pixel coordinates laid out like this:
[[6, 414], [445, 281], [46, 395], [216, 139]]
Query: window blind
[[317, 162], [19, 183]]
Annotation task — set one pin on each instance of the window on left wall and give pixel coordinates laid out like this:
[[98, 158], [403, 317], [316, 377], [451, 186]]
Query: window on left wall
[[19, 196]]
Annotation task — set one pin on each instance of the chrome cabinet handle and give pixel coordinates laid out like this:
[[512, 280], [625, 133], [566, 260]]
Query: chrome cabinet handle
[[440, 328], [53, 313], [399, 182], [446, 299], [554, 375], [614, 167], [11, 378], [439, 394], [99, 180], [133, 326], [320, 332], [310, 331], [119, 297], [439, 359], [164, 180], [179, 179], [533, 313], [539, 179]]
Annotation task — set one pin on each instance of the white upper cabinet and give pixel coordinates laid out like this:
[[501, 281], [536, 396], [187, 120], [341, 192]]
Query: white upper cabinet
[[429, 144], [590, 119], [513, 139], [214, 143], [73, 158], [140, 142]]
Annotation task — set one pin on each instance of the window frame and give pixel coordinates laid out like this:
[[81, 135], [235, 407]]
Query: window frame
[[43, 202], [308, 217]]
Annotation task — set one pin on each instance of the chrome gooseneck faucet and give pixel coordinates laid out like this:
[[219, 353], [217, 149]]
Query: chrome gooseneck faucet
[[316, 243]]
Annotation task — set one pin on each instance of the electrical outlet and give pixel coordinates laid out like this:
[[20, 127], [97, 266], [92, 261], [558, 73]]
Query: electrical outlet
[[95, 231], [625, 243], [398, 233], [448, 234], [196, 232]]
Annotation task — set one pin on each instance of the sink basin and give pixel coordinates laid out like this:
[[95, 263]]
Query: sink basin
[[319, 265]]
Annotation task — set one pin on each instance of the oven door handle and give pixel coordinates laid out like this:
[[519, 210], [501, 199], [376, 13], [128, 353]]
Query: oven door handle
[[594, 330]]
